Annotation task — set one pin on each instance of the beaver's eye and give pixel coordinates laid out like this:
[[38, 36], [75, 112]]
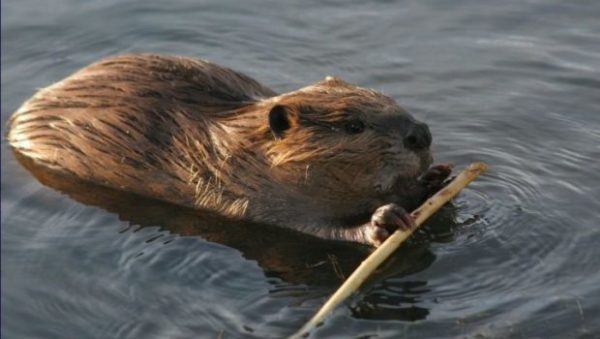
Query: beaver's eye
[[354, 127]]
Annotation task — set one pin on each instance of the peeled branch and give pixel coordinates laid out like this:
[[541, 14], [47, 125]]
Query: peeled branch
[[392, 243]]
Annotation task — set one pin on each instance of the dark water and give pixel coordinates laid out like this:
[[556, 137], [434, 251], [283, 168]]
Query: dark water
[[512, 83]]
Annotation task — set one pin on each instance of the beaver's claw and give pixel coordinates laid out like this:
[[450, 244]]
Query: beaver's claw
[[436, 177], [385, 220]]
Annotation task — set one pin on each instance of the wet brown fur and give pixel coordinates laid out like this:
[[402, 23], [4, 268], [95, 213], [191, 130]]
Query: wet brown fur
[[197, 134]]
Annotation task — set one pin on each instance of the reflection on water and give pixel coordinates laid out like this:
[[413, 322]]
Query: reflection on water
[[292, 256], [514, 85]]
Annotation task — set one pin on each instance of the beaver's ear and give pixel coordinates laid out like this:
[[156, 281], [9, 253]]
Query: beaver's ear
[[281, 118]]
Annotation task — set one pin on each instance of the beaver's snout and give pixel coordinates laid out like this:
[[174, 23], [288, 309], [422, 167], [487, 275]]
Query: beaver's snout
[[418, 138]]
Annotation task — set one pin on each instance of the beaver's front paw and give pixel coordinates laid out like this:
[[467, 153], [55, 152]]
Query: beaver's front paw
[[435, 178], [387, 219]]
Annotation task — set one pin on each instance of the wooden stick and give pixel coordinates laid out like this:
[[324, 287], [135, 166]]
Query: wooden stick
[[391, 244]]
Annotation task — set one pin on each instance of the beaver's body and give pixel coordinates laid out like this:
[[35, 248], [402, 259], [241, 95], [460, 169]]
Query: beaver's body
[[320, 160]]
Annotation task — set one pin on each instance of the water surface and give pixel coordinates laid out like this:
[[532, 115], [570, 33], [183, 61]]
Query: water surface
[[512, 83]]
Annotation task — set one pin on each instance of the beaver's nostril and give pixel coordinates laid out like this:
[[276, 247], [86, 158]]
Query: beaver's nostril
[[418, 138], [411, 141]]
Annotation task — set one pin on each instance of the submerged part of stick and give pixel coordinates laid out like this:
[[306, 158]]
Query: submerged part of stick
[[392, 243]]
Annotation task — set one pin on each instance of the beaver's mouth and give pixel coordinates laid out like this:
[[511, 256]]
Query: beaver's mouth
[[426, 161], [404, 180], [398, 178]]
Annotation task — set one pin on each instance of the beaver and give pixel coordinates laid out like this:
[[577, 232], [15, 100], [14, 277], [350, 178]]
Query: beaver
[[332, 159]]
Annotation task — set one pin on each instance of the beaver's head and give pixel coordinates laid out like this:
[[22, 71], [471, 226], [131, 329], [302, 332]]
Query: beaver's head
[[338, 141]]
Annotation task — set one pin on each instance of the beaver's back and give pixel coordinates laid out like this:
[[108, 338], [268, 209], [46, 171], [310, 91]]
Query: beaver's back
[[113, 123]]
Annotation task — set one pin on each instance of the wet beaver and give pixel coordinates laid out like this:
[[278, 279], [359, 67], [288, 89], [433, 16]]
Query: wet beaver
[[331, 159]]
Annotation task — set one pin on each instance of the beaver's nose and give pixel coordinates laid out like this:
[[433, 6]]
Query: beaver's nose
[[418, 138]]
